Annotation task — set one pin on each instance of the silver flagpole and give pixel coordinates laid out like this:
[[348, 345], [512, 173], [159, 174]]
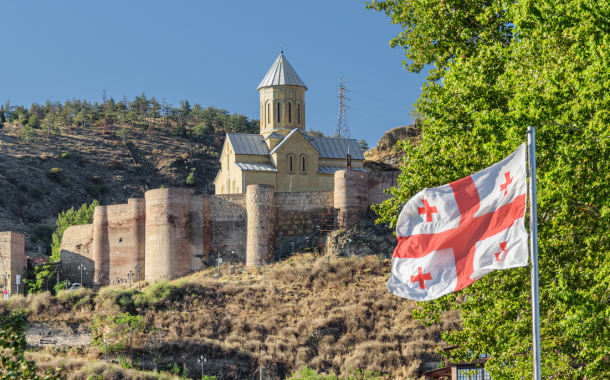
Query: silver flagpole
[[531, 145]]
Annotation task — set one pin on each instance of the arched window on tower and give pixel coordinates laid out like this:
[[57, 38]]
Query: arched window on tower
[[279, 114], [298, 113], [268, 113], [289, 112]]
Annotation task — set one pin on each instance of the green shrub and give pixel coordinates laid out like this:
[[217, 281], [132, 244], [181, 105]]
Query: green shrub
[[190, 180], [12, 180], [55, 174], [23, 187], [2, 202], [65, 183], [65, 155], [95, 180]]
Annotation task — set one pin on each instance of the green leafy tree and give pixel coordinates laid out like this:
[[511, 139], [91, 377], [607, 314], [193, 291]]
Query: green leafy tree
[[12, 339], [121, 331], [497, 68], [44, 273], [364, 146]]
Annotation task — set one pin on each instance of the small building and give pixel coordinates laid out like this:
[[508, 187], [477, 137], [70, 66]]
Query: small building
[[283, 155], [474, 370]]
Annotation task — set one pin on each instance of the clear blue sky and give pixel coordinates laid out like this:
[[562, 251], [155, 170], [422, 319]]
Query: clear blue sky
[[208, 52]]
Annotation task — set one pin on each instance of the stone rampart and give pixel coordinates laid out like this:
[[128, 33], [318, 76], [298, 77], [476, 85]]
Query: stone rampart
[[76, 250], [228, 223], [173, 232], [261, 224], [126, 238], [12, 260], [350, 197], [168, 233], [377, 182]]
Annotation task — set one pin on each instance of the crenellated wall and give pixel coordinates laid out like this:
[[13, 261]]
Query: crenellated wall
[[172, 232]]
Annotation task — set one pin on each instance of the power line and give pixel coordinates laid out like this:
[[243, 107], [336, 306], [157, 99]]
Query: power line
[[342, 129]]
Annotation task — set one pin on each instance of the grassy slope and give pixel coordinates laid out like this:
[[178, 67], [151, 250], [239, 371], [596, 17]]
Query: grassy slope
[[330, 316]]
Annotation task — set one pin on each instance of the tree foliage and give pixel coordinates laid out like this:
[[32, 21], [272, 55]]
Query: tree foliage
[[110, 116], [500, 66], [12, 338]]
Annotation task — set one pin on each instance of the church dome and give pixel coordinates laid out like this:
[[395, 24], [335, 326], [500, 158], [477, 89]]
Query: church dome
[[281, 74]]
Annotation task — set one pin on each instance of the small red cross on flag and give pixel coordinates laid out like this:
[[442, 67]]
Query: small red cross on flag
[[478, 227]]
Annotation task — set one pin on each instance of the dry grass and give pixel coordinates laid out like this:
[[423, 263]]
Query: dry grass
[[332, 316]]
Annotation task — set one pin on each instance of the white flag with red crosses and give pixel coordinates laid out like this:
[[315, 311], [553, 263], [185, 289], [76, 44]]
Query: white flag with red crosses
[[452, 235]]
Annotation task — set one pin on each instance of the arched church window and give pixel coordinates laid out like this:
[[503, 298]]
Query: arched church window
[[233, 186], [291, 164], [279, 115], [289, 112], [298, 114], [268, 113], [222, 189], [303, 164]]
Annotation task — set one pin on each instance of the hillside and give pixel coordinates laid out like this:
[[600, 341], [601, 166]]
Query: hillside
[[334, 314], [95, 165], [386, 156]]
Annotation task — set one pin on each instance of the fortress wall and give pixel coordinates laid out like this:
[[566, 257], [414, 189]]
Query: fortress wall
[[168, 233], [201, 240], [76, 250], [126, 238], [379, 181], [99, 247], [261, 224], [228, 226], [350, 197], [13, 260], [300, 213]]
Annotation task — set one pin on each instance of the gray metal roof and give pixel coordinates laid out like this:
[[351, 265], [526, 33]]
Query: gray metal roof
[[274, 135], [336, 148], [253, 166], [248, 144], [333, 169], [281, 73]]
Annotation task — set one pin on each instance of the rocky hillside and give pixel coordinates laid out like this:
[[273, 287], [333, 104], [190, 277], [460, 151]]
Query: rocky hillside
[[40, 180], [385, 156]]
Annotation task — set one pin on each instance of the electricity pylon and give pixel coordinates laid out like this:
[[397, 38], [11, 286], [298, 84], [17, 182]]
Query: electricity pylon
[[342, 129]]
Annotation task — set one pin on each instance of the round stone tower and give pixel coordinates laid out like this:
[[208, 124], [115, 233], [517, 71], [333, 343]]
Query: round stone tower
[[351, 197], [261, 224], [168, 233], [282, 99], [100, 247]]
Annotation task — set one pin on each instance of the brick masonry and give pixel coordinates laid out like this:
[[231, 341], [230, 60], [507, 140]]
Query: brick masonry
[[12, 260], [172, 232]]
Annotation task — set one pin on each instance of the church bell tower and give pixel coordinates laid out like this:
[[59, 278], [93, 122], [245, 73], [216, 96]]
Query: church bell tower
[[282, 99]]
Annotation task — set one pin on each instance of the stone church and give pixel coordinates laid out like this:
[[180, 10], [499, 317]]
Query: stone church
[[283, 155]]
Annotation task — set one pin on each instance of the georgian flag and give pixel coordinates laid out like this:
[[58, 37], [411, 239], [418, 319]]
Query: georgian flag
[[452, 235]]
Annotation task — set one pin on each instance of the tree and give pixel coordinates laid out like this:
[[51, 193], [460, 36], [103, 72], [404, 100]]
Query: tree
[[313, 133], [121, 330], [364, 146], [29, 135], [12, 339], [499, 67]]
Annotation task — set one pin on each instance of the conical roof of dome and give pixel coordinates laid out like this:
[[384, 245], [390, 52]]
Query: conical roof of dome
[[281, 74]]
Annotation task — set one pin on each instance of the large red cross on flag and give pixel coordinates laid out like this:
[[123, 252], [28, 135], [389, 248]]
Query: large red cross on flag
[[452, 235]]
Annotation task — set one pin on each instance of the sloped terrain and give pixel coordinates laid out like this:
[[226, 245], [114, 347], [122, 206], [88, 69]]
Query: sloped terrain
[[334, 314], [36, 183]]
